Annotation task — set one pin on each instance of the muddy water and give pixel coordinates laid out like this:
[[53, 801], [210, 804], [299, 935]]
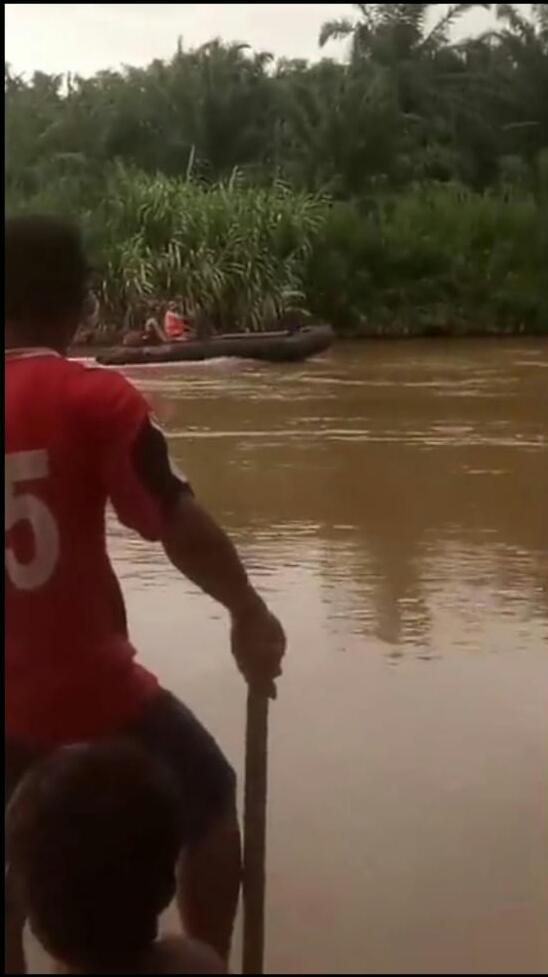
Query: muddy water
[[392, 503]]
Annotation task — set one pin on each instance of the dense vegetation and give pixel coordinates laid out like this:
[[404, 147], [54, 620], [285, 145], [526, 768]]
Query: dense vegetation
[[404, 189]]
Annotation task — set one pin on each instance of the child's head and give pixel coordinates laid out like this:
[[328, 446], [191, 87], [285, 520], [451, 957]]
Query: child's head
[[93, 834], [46, 281]]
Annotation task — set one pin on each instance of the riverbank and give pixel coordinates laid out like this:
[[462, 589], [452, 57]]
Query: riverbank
[[463, 331]]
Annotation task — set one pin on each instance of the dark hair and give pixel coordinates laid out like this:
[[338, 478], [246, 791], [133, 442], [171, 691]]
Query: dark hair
[[46, 275], [92, 838]]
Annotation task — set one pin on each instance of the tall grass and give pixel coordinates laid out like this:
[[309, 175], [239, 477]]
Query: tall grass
[[431, 259], [233, 254]]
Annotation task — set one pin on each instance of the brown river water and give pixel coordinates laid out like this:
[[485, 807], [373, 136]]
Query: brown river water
[[391, 502]]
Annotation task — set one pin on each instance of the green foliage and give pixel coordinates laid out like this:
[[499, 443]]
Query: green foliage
[[435, 259], [208, 176]]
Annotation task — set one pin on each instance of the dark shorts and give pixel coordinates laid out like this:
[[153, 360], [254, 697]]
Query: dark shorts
[[172, 733]]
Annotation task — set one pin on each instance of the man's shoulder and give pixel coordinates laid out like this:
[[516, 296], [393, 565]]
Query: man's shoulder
[[90, 373], [104, 400], [89, 383], [80, 375], [101, 402]]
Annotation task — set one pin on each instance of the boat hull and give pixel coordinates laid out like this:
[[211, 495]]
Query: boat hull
[[281, 347]]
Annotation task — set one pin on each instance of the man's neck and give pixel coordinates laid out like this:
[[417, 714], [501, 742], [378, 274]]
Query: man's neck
[[20, 339]]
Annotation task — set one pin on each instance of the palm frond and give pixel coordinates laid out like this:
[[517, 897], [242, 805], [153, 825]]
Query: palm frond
[[440, 31], [334, 30], [513, 18]]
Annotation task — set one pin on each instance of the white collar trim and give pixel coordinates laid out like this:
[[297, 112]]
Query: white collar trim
[[28, 352]]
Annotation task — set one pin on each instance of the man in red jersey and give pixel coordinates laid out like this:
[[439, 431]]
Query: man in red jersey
[[76, 438]]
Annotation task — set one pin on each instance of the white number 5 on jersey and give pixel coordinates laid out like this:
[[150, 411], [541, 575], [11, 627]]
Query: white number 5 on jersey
[[22, 506]]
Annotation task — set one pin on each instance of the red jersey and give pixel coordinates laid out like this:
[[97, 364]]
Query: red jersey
[[70, 669]]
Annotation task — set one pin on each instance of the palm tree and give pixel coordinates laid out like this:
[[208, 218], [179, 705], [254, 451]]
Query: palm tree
[[518, 26], [389, 31], [521, 46], [397, 52]]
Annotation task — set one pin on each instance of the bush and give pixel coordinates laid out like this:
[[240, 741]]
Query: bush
[[434, 259]]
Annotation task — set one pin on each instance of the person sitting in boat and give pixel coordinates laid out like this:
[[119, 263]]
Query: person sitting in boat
[[150, 335], [93, 834], [176, 327]]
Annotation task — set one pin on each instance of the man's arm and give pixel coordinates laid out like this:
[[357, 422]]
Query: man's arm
[[203, 552], [150, 496]]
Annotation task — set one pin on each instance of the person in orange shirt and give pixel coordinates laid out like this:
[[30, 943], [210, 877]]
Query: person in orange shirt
[[176, 328]]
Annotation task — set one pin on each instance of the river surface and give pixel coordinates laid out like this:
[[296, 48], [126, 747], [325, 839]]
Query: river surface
[[391, 502]]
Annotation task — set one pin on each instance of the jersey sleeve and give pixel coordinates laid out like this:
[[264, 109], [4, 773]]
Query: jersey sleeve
[[129, 451]]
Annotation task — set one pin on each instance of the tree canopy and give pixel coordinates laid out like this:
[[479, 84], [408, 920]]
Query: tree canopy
[[408, 103]]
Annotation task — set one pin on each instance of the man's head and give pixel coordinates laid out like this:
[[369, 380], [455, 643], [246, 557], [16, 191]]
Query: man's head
[[46, 281], [92, 838]]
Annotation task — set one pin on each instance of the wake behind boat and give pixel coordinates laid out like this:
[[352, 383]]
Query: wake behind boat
[[274, 347]]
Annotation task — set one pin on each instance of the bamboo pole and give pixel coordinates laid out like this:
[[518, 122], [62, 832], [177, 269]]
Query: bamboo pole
[[256, 777]]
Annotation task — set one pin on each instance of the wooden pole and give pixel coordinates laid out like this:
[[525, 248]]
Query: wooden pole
[[256, 777]]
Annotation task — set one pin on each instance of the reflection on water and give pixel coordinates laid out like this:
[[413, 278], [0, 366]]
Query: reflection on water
[[391, 501]]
